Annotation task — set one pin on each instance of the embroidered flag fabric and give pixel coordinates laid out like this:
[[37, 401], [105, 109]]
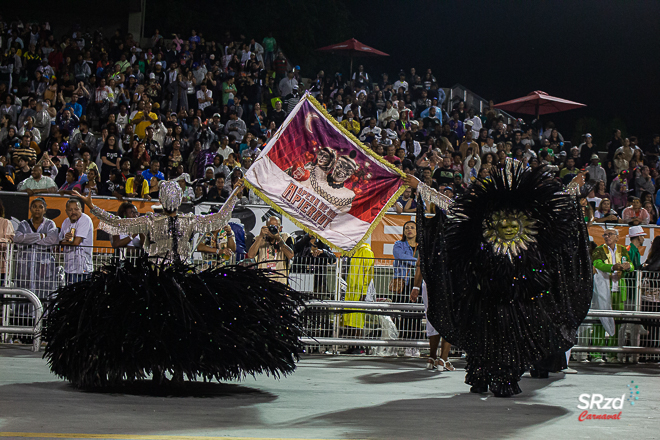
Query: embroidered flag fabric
[[322, 178]]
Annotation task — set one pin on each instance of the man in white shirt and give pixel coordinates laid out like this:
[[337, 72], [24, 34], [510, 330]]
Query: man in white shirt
[[38, 183], [370, 131], [287, 84], [224, 149], [401, 83], [390, 113], [596, 172], [77, 237], [122, 119], [235, 127], [476, 123], [204, 97]]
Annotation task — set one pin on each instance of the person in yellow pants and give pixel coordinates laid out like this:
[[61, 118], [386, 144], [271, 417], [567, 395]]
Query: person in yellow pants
[[360, 275]]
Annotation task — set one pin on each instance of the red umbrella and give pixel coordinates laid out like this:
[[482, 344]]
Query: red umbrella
[[353, 48], [538, 103]]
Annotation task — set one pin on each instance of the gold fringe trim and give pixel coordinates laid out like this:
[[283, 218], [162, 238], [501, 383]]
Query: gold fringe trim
[[365, 150]]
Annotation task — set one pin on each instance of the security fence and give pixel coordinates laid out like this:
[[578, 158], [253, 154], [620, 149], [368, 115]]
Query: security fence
[[355, 304]]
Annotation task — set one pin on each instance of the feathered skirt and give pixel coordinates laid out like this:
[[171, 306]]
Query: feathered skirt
[[133, 319]]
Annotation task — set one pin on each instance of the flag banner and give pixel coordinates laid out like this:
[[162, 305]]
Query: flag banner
[[323, 179]]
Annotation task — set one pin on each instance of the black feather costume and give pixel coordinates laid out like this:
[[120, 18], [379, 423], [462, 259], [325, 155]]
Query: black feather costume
[[507, 305], [138, 318]]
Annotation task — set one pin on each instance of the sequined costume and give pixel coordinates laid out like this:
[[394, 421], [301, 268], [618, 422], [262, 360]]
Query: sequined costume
[[508, 272], [158, 315]]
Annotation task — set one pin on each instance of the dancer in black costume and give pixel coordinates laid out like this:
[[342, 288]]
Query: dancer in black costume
[[157, 315], [508, 272]]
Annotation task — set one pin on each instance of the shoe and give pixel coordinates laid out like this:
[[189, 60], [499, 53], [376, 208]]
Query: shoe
[[569, 370], [444, 365], [598, 360], [430, 364], [585, 361], [613, 360]]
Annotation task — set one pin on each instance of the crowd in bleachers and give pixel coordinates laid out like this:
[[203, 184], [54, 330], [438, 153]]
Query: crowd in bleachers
[[110, 116]]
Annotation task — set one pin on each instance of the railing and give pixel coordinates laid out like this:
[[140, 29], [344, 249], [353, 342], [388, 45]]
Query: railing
[[11, 297], [352, 302], [458, 93]]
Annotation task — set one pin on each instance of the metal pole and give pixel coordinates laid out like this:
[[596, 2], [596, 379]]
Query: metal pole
[[335, 319]]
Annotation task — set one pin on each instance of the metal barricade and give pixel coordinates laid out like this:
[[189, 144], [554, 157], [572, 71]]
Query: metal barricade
[[350, 302], [12, 297]]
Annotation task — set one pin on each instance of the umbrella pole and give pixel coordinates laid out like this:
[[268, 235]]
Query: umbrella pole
[[537, 111], [350, 75]]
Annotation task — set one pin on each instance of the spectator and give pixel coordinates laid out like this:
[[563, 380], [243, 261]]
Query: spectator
[[77, 235], [229, 91], [313, 256], [218, 193], [235, 128], [205, 99], [138, 187], [37, 183], [471, 167], [351, 124], [444, 175], [634, 214], [611, 261], [35, 264], [644, 182], [153, 171], [278, 115], [6, 237], [220, 243], [128, 245], [596, 172], [71, 184], [406, 203], [91, 186], [25, 149], [286, 85], [359, 279], [405, 256], [109, 155], [619, 190], [272, 250]]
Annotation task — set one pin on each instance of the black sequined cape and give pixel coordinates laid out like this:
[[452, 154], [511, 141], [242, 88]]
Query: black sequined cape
[[507, 314], [132, 319]]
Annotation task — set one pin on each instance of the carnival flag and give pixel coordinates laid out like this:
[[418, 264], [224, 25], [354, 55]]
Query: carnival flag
[[323, 179]]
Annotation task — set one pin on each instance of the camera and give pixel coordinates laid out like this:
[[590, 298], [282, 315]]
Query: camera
[[273, 229]]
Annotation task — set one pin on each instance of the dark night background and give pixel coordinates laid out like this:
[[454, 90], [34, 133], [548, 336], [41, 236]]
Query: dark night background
[[605, 54]]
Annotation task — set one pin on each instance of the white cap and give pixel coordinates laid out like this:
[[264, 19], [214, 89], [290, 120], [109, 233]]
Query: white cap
[[636, 231]]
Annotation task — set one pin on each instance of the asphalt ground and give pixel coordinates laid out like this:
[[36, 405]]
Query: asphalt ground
[[328, 397]]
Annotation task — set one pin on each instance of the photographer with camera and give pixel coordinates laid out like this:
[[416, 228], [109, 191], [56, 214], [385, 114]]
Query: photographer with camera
[[272, 250]]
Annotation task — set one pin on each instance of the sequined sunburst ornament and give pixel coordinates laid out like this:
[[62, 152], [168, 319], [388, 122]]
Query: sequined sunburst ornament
[[509, 232]]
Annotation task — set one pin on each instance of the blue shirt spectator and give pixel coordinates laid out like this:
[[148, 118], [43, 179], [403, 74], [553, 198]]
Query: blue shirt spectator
[[75, 108], [405, 251]]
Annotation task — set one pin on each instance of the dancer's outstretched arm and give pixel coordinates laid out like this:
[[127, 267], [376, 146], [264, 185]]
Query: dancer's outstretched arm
[[115, 225], [213, 222], [428, 194]]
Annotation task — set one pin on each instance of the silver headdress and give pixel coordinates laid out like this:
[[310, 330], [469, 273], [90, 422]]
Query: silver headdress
[[170, 195]]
